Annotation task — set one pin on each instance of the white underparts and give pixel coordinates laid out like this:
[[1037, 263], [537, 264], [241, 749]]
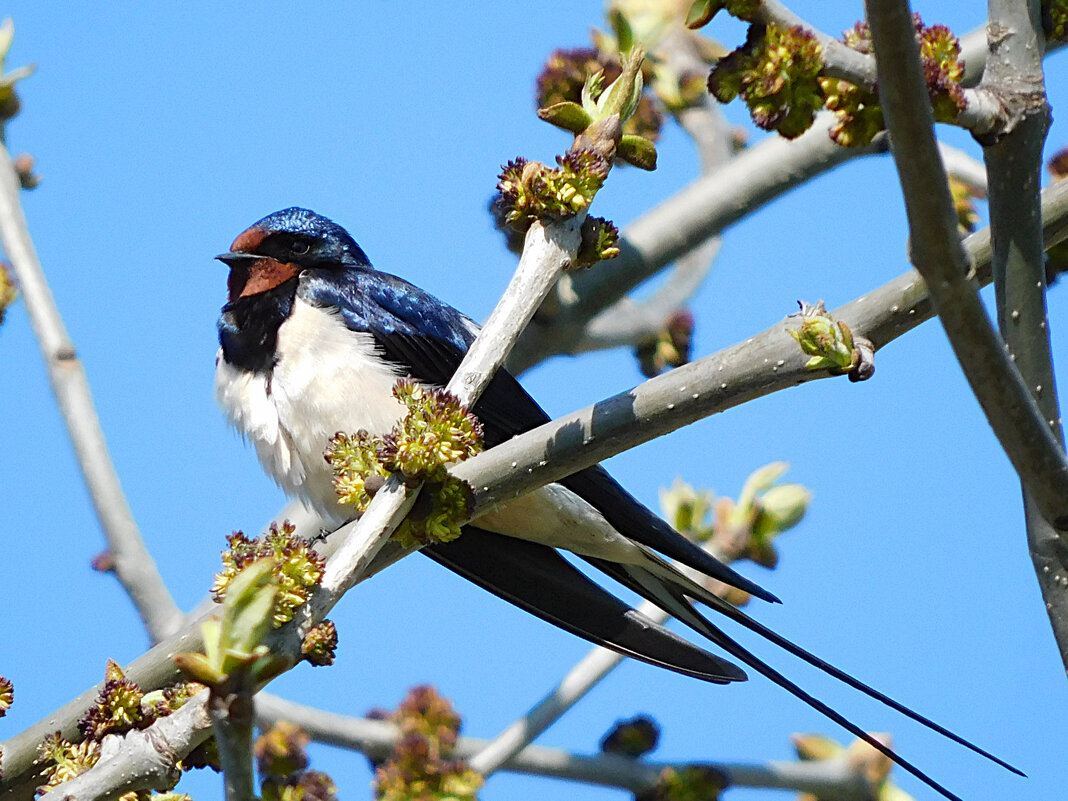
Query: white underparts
[[328, 378]]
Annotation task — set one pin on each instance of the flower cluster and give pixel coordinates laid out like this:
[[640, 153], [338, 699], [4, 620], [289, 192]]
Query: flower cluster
[[8, 291], [687, 783], [358, 470], [668, 349], [1055, 19], [600, 240], [7, 695], [829, 343], [297, 568], [943, 69], [283, 767], [436, 432], [632, 738], [319, 645], [858, 115], [529, 190], [61, 760], [776, 72], [120, 707], [422, 766]]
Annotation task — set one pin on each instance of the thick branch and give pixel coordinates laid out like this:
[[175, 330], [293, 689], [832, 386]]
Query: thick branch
[[141, 760], [762, 364], [134, 566], [1011, 411], [1014, 71]]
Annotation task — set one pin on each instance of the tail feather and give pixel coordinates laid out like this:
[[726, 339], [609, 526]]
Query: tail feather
[[649, 586], [679, 585], [537, 579]]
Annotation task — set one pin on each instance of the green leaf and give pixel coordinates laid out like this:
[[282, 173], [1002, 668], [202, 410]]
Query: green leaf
[[621, 28], [567, 115], [198, 668], [637, 150], [701, 13], [249, 607]]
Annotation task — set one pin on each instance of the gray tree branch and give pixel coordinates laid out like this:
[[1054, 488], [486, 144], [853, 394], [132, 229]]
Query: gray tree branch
[[588, 436], [830, 779], [1010, 408], [1014, 72]]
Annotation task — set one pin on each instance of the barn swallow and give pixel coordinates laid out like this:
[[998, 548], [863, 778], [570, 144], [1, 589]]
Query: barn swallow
[[313, 339]]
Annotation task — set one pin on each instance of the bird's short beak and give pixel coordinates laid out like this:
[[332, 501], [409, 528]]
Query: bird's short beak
[[237, 256]]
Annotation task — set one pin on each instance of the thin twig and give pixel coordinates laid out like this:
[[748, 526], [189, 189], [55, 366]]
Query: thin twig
[[573, 687], [630, 321], [684, 221], [377, 738], [134, 566], [230, 711], [1010, 408]]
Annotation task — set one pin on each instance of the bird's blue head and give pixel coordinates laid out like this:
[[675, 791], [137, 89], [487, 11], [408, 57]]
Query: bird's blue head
[[275, 250]]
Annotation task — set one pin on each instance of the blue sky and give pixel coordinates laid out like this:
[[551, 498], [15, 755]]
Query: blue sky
[[162, 132]]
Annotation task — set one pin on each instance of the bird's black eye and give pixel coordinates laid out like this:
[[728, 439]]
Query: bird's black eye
[[299, 247]]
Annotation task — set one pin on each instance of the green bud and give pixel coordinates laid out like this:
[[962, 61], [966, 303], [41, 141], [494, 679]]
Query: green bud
[[781, 508], [829, 343], [234, 643], [816, 747], [621, 27], [687, 510], [622, 97], [701, 13], [637, 150], [248, 608]]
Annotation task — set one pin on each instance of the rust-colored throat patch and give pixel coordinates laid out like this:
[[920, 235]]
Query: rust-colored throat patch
[[253, 277]]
